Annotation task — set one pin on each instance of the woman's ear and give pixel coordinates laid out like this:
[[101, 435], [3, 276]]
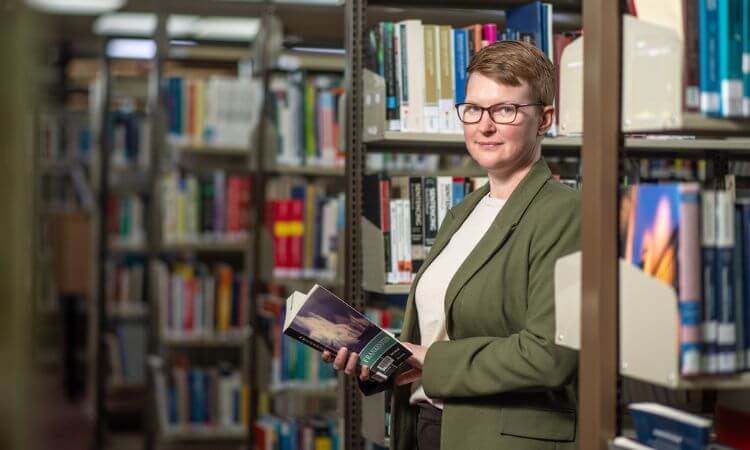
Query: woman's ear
[[546, 119]]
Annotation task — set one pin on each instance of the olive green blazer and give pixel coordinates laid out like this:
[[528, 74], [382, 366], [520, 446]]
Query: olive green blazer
[[505, 383]]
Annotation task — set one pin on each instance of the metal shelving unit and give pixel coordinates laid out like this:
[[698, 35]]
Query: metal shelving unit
[[601, 147]]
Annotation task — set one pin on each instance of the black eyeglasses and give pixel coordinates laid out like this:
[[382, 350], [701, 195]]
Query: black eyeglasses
[[501, 113]]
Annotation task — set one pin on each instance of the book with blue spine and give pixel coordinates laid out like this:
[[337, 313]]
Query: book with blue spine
[[739, 285], [730, 57], [708, 44], [665, 428], [461, 58], [744, 205], [725, 236], [746, 58], [528, 21], [323, 321]]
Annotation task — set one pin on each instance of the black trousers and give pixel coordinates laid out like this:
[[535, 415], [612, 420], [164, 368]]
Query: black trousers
[[428, 427]]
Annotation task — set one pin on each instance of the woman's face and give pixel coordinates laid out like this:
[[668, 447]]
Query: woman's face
[[508, 147]]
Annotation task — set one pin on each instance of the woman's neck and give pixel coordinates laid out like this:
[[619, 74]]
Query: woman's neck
[[504, 182]]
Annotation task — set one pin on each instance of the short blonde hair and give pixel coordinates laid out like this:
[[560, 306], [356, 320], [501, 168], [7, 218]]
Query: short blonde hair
[[509, 62]]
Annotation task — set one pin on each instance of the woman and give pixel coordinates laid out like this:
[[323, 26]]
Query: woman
[[479, 320]]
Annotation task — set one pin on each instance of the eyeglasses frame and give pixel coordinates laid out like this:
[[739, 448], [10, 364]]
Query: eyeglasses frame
[[515, 105]]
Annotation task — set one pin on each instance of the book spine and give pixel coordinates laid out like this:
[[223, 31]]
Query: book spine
[[727, 341], [430, 211], [739, 286], [746, 58], [413, 73], [444, 197], [689, 279], [730, 57], [691, 68], [447, 70], [710, 325], [709, 57], [416, 213], [431, 64]]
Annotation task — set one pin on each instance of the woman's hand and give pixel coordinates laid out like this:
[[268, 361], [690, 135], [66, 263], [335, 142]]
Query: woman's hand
[[346, 361], [416, 360]]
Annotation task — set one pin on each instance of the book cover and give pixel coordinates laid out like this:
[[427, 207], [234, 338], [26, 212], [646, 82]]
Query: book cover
[[663, 428], [662, 239], [323, 321], [527, 20]]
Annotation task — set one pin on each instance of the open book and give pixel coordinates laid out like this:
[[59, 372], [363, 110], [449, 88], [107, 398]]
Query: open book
[[323, 321]]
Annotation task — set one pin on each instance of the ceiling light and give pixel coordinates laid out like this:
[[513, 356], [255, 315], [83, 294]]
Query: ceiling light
[[226, 29], [92, 7], [126, 24], [143, 25], [131, 48]]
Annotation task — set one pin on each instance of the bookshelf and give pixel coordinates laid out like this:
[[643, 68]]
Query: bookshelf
[[604, 142], [300, 168], [201, 327], [123, 179]]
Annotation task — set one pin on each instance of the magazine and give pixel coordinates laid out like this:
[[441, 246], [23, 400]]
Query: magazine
[[323, 321]]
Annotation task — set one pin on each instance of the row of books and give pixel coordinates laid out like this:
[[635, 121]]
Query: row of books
[[297, 364], [131, 145], [675, 169], [198, 302], [716, 36], [696, 240], [305, 110], [126, 353], [417, 163], [215, 207], [64, 137], [190, 396], [408, 211], [219, 111], [280, 433], [125, 287], [125, 218], [424, 66], [292, 363], [305, 222]]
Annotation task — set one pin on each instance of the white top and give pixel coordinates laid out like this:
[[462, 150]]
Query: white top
[[430, 292]]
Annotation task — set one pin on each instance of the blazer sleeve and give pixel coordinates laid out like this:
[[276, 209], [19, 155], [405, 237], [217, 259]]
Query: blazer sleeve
[[529, 359]]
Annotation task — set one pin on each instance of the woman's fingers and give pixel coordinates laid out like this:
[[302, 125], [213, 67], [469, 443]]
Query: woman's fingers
[[409, 376], [364, 373], [341, 358], [351, 364], [327, 356]]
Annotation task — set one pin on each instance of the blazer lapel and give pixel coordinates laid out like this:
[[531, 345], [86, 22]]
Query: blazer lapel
[[499, 231]]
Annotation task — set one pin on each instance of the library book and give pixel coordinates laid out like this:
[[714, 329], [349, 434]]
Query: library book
[[323, 321]]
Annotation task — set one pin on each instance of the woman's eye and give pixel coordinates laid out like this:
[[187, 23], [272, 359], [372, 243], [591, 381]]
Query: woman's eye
[[473, 109], [504, 110]]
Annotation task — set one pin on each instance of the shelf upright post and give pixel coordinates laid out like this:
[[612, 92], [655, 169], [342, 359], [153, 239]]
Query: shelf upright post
[[102, 139], [157, 130], [260, 49], [602, 139], [355, 168]]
